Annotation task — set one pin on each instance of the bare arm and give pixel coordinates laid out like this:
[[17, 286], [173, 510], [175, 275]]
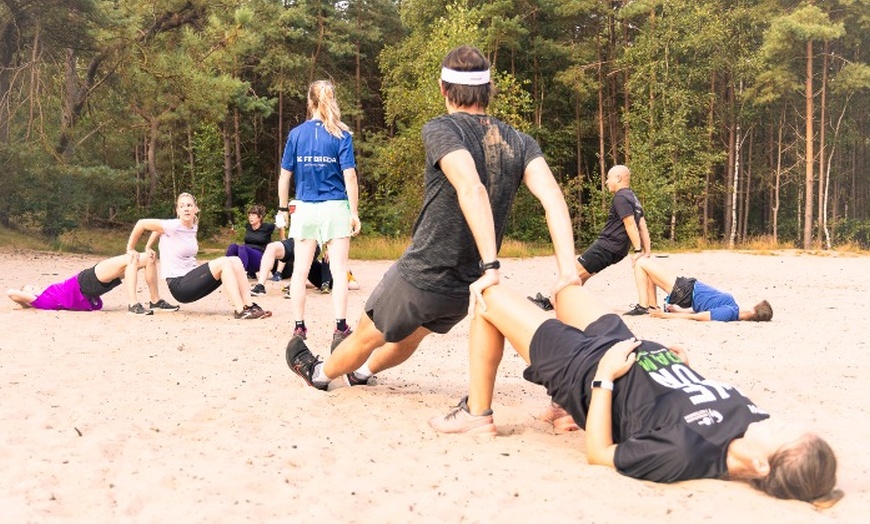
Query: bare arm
[[539, 179], [703, 316], [632, 230], [149, 245], [600, 448], [644, 237], [351, 184], [145, 224], [459, 168], [284, 192]]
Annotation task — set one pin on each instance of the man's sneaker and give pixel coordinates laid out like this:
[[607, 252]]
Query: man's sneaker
[[258, 290], [542, 302], [325, 289], [303, 362], [138, 309], [162, 306], [301, 333], [338, 336], [461, 421], [637, 310], [252, 312], [276, 276], [354, 380]]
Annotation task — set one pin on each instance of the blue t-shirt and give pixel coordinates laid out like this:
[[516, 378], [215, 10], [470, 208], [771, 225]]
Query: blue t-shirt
[[721, 305], [317, 160]]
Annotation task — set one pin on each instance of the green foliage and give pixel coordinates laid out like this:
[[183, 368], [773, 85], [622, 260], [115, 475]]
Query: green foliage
[[114, 107], [851, 231], [36, 192], [207, 179]]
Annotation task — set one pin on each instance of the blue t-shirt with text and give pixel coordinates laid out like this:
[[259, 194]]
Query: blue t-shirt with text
[[317, 160]]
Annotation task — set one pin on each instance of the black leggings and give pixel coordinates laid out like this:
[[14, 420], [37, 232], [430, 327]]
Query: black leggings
[[194, 285]]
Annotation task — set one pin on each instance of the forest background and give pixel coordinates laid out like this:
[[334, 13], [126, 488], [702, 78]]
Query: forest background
[[740, 119]]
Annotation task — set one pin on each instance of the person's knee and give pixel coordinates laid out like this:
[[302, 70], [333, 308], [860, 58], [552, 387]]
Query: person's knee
[[232, 250]]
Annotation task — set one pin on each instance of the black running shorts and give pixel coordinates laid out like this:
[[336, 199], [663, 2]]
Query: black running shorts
[[397, 308], [196, 284], [91, 286], [596, 258], [564, 359]]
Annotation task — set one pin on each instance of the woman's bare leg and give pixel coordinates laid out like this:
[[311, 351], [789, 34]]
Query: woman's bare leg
[[303, 257], [231, 273], [339, 249]]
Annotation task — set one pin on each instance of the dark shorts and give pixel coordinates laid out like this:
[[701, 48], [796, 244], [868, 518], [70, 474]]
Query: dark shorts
[[91, 286], [682, 292], [289, 247], [564, 359], [596, 258], [194, 285], [397, 308]]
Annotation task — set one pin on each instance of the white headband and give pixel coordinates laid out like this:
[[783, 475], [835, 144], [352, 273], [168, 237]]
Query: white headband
[[466, 78]]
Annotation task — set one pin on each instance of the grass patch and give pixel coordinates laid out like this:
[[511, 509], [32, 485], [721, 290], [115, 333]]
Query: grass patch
[[110, 242]]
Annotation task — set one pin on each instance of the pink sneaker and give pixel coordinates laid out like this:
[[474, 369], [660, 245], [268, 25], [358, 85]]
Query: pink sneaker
[[461, 421]]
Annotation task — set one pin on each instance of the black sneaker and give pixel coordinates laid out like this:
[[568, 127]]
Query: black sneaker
[[325, 289], [138, 309], [637, 310], [542, 302], [252, 276], [353, 380], [338, 337], [302, 362], [258, 290], [162, 306]]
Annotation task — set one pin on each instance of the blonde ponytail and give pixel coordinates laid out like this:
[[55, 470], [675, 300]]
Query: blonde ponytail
[[323, 105]]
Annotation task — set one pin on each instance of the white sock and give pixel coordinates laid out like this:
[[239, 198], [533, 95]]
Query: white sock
[[319, 376], [363, 372]]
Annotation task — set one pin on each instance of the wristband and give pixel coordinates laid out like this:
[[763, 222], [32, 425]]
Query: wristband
[[603, 384], [495, 264], [282, 208]]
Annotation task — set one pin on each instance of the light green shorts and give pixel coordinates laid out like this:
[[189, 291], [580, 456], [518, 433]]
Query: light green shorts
[[320, 221]]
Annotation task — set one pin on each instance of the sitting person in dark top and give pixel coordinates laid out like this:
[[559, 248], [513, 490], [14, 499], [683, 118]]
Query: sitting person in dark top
[[258, 234]]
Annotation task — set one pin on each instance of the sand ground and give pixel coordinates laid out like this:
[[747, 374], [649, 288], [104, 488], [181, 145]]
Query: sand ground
[[193, 416]]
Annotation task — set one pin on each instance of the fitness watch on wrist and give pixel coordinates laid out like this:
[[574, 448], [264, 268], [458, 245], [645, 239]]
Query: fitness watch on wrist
[[282, 208], [495, 264], [603, 384]]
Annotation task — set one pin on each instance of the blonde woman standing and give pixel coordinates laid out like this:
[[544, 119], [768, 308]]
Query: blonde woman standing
[[319, 153]]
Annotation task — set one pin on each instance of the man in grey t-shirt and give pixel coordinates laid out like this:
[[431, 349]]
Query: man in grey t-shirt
[[474, 167]]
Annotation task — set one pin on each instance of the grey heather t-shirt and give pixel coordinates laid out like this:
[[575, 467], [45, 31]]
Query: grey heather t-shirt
[[442, 256]]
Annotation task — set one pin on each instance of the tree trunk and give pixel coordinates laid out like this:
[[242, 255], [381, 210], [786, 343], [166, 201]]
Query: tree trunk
[[777, 183], [237, 142], [151, 155], [822, 125], [747, 188], [810, 158], [34, 83], [602, 162], [708, 176], [733, 193], [228, 172], [729, 168]]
